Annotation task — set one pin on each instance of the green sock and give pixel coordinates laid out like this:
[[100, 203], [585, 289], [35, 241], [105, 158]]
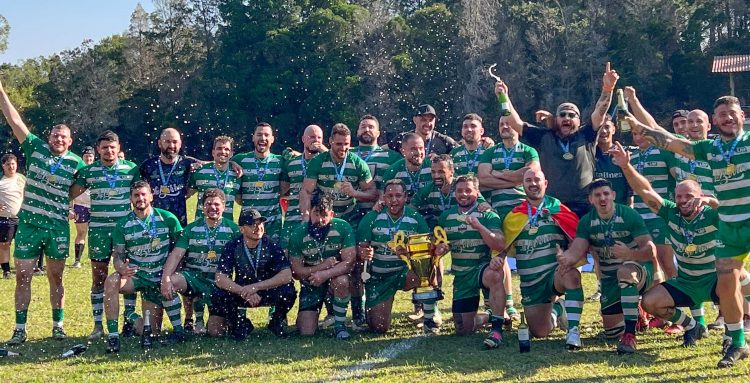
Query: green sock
[[57, 317], [97, 306], [21, 316], [339, 310], [737, 334], [113, 327], [574, 306], [129, 309], [680, 318], [698, 314], [428, 306], [198, 309], [557, 309], [132, 317], [173, 308]]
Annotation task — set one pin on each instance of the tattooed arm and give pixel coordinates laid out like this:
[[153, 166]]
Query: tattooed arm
[[605, 100], [637, 108], [638, 183], [661, 138]]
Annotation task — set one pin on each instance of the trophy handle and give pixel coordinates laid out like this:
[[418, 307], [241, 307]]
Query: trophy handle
[[440, 236], [400, 240]]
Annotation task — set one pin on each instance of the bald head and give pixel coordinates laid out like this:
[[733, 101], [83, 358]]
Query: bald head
[[169, 144], [312, 139], [689, 186], [535, 185], [698, 125]]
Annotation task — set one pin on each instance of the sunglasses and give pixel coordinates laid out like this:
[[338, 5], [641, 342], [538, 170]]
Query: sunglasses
[[567, 114]]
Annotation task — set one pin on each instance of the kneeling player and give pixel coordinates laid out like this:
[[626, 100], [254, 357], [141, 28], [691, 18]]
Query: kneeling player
[[202, 241], [388, 272], [322, 252], [537, 229], [472, 236], [261, 278], [618, 236]]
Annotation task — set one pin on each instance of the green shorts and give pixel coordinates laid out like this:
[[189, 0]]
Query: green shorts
[[100, 244], [657, 227], [542, 292], [199, 285], [149, 290], [31, 241], [311, 298], [379, 289], [611, 287], [467, 284], [730, 241], [698, 290]]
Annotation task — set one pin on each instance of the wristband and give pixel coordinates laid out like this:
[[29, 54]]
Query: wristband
[[608, 90]]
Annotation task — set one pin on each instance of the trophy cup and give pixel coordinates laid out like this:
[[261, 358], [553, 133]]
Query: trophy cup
[[419, 258]]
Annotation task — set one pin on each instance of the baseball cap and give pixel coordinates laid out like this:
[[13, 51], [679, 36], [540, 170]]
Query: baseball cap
[[680, 113], [568, 106], [425, 109], [250, 216], [88, 150]]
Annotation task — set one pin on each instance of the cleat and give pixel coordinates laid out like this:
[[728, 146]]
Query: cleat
[[58, 333], [657, 323], [690, 337], [340, 333], [702, 332], [430, 327], [113, 344], [277, 328], [359, 323], [733, 355], [128, 330], [200, 328], [97, 333], [573, 339], [494, 340], [6, 274], [173, 338], [674, 329], [627, 344], [39, 272], [327, 322], [189, 328], [718, 324], [562, 321], [726, 343], [19, 336], [242, 329]]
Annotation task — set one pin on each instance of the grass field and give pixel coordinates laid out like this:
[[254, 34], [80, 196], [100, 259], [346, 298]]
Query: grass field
[[400, 356]]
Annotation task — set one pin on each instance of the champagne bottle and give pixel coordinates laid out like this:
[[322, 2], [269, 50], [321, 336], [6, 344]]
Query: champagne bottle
[[4, 352], [622, 111], [524, 342], [502, 98], [75, 350], [146, 340]]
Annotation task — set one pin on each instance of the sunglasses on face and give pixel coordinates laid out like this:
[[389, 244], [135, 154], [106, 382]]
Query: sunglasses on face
[[567, 114]]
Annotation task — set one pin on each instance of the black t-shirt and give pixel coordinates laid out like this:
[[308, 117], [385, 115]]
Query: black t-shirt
[[238, 260], [177, 179], [608, 170], [568, 179], [440, 143]]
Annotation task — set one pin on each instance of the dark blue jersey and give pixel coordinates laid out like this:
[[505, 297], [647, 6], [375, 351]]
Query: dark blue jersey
[[248, 266], [169, 184]]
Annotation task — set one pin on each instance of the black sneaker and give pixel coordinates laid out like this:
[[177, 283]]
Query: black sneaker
[[173, 338], [726, 343], [690, 337], [189, 328], [128, 330], [241, 330], [113, 344], [702, 332], [277, 328], [733, 355]]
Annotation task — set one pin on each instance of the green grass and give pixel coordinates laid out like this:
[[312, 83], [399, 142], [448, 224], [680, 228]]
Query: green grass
[[262, 357]]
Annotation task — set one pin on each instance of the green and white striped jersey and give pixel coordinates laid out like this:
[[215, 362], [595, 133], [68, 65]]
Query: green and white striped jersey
[[48, 179], [208, 177], [413, 180], [295, 170], [700, 231], [502, 158], [466, 161], [378, 160], [699, 171], [624, 226], [261, 183], [327, 173], [654, 164], [203, 245], [431, 202], [313, 252], [110, 190], [146, 243], [378, 228], [468, 250]]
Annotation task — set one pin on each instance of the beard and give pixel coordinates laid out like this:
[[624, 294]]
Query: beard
[[366, 139]]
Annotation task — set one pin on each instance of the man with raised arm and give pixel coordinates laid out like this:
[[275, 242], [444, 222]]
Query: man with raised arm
[[43, 227], [728, 156]]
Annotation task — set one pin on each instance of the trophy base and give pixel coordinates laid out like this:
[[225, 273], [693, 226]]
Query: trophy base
[[435, 294]]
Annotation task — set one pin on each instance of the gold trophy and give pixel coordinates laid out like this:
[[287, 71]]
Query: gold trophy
[[420, 259]]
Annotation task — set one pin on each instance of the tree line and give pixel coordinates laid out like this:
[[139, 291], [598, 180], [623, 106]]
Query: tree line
[[212, 67]]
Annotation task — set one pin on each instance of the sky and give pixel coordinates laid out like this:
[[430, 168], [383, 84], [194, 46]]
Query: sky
[[44, 27]]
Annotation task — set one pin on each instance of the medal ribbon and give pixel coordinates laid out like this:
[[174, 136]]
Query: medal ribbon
[[261, 174], [508, 155], [393, 230], [53, 167], [148, 224], [111, 179], [565, 147], [211, 241], [692, 164], [217, 175], [642, 157], [359, 153], [443, 205], [165, 181], [533, 219], [727, 156], [473, 163], [340, 171], [253, 262]]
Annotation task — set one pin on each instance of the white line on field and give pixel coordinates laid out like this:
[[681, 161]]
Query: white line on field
[[383, 356]]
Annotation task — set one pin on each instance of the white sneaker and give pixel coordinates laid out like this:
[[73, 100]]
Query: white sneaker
[[573, 339], [437, 318], [327, 322]]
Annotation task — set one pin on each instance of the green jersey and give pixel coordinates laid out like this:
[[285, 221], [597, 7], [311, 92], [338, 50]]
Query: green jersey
[[624, 226], [502, 158], [699, 171], [295, 171], [378, 160], [731, 189], [431, 202], [466, 161], [328, 173], [146, 243], [378, 228], [468, 250], [654, 164], [312, 251], [48, 179], [209, 177], [203, 245], [261, 183], [536, 254], [110, 190], [413, 180], [697, 260]]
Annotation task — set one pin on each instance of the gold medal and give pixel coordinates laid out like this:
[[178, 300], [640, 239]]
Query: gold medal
[[164, 189], [211, 254], [533, 230], [691, 249], [337, 185], [568, 156], [51, 178], [155, 243], [693, 177], [259, 184], [731, 168]]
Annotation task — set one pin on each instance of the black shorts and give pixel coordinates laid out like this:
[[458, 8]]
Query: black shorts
[[83, 215], [8, 228], [226, 305]]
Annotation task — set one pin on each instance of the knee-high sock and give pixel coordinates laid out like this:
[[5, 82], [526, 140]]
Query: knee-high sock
[[680, 318], [97, 306], [129, 306], [574, 306], [629, 302], [339, 310], [173, 308]]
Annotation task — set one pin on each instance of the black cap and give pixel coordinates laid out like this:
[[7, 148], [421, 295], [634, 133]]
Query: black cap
[[680, 113], [250, 216], [425, 109], [88, 150]]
